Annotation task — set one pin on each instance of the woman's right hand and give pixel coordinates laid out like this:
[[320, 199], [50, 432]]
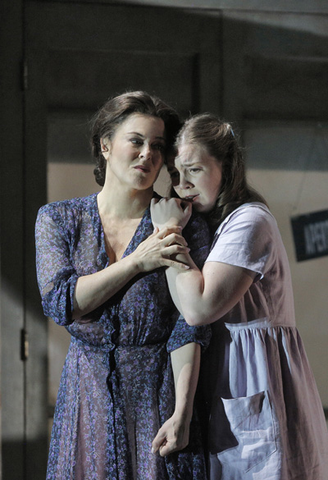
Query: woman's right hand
[[172, 436], [160, 250]]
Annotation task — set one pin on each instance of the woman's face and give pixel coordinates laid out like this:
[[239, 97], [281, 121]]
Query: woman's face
[[135, 154], [196, 176]]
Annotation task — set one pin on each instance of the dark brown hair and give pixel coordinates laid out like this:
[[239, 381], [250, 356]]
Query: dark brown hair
[[220, 141], [116, 110]]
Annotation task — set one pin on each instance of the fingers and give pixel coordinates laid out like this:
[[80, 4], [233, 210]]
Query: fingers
[[171, 445], [170, 236], [174, 239], [162, 446], [164, 200], [153, 201], [158, 441], [175, 249], [170, 211], [187, 207], [166, 449], [174, 264], [161, 248], [169, 439], [164, 232]]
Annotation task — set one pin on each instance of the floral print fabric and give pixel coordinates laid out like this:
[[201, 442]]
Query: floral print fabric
[[117, 384]]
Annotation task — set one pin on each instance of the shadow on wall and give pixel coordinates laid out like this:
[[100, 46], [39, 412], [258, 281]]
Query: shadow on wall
[[14, 466]]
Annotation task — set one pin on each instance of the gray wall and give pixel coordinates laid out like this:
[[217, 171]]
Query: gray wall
[[260, 65]]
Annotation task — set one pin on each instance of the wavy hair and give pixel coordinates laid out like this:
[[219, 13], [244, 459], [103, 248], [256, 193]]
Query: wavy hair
[[119, 108], [221, 142]]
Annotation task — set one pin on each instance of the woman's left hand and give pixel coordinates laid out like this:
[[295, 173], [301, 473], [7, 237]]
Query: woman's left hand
[[172, 436], [169, 212]]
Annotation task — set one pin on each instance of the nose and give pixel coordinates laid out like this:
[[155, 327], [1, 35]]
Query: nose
[[145, 151], [184, 182]]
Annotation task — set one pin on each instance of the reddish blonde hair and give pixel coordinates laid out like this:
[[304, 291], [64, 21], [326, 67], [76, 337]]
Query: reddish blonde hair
[[220, 141]]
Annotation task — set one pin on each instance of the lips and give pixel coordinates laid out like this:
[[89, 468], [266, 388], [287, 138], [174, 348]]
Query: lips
[[190, 198], [142, 168]]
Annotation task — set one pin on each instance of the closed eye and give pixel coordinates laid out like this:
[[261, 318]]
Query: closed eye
[[159, 146]]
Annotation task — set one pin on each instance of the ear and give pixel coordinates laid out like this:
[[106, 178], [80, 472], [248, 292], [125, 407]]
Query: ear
[[105, 147]]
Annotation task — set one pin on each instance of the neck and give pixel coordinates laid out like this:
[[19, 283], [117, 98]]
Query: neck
[[123, 204]]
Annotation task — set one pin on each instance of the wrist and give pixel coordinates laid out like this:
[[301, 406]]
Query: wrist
[[134, 263], [184, 410], [183, 417], [172, 222]]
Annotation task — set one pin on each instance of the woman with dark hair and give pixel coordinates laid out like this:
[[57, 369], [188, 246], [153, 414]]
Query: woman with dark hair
[[132, 365], [265, 416]]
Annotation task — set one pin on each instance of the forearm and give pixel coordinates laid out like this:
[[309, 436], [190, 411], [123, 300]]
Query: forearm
[[93, 290], [174, 433], [185, 365]]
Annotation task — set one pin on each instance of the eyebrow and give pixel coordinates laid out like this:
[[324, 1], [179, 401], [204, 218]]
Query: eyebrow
[[189, 164], [142, 136]]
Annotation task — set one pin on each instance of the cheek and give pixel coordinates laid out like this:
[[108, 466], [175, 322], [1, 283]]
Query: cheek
[[159, 160], [212, 190], [216, 183]]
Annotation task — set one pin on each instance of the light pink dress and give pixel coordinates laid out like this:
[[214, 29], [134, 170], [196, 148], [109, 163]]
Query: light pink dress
[[266, 417]]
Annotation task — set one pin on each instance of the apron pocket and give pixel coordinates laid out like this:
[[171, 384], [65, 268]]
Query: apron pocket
[[251, 423]]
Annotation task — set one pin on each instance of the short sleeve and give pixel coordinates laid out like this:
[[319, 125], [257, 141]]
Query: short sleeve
[[184, 333], [246, 239], [198, 238], [55, 273]]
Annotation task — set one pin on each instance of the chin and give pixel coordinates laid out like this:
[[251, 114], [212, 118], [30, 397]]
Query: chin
[[201, 208]]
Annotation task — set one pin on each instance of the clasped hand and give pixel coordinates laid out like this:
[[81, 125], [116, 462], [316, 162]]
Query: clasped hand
[[169, 217], [170, 211], [160, 250]]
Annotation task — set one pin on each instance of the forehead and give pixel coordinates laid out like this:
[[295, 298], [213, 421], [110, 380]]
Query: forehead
[[190, 154], [143, 124]]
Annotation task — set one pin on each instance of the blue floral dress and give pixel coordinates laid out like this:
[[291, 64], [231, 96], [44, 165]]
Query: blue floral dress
[[117, 384]]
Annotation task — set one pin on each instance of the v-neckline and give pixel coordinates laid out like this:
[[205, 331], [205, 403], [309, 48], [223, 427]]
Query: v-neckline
[[131, 241]]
